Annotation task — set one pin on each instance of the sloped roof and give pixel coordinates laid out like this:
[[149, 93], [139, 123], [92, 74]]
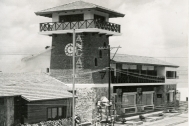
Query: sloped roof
[[32, 86], [78, 5], [133, 59]]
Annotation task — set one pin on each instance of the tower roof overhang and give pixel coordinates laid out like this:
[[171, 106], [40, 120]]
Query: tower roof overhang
[[78, 6]]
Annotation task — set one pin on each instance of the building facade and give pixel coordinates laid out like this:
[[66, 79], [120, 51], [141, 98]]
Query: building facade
[[137, 83]]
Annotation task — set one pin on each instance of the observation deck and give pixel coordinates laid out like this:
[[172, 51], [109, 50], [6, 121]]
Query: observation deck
[[90, 25]]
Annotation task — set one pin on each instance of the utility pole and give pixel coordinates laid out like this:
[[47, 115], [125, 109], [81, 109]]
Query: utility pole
[[109, 81], [73, 88]]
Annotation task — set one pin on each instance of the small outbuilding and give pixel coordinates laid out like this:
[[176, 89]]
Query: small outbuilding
[[32, 98]]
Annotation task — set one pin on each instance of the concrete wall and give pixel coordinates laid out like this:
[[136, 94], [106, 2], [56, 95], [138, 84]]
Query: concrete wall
[[38, 63]]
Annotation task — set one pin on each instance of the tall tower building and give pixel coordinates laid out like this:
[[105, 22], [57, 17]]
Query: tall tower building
[[93, 29]]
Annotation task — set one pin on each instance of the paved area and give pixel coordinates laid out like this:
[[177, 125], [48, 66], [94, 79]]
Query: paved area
[[182, 124], [169, 121], [178, 120]]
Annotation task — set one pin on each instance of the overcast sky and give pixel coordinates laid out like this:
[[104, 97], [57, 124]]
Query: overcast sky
[[155, 28]]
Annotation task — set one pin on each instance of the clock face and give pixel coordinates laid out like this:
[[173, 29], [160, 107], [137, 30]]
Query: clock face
[[69, 49]]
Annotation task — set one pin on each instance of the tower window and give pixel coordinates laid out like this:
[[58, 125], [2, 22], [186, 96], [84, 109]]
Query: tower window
[[104, 44], [99, 18], [71, 18], [96, 64], [100, 54]]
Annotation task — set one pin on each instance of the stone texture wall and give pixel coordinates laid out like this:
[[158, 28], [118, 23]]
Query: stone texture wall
[[89, 51], [87, 100]]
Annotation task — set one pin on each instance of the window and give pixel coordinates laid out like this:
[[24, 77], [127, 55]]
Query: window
[[56, 113], [96, 64], [104, 44], [171, 74], [71, 18], [100, 54], [99, 18], [129, 99], [147, 98]]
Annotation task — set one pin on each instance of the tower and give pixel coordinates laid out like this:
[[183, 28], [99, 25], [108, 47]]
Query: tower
[[93, 30]]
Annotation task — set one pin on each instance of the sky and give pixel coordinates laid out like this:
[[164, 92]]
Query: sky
[[155, 28]]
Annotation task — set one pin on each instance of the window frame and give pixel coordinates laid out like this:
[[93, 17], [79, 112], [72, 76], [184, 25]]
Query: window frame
[[171, 74], [152, 95], [100, 53], [130, 93], [79, 17], [57, 113]]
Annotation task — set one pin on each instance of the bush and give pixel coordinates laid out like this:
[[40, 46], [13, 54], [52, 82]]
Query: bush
[[60, 122]]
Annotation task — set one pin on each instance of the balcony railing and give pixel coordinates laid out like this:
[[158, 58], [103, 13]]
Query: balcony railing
[[137, 79], [54, 26]]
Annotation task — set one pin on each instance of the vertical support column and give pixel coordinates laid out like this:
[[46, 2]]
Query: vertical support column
[[73, 116], [155, 96], [139, 99], [109, 81], [118, 104]]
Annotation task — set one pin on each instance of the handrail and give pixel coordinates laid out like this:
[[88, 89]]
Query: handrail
[[90, 23], [137, 79]]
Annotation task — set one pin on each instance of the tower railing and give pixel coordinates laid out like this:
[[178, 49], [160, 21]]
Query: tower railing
[[91, 23]]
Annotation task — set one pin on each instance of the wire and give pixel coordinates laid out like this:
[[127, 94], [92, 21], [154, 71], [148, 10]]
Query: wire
[[126, 72], [139, 76]]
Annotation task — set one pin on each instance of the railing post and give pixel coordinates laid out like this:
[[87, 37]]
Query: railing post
[[62, 25], [40, 27], [55, 26]]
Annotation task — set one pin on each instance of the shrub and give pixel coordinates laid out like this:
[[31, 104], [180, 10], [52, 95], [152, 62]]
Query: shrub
[[60, 122]]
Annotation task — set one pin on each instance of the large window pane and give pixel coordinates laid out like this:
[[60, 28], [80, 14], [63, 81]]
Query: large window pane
[[54, 113], [59, 111], [49, 113], [148, 99], [144, 99], [128, 100], [64, 110]]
